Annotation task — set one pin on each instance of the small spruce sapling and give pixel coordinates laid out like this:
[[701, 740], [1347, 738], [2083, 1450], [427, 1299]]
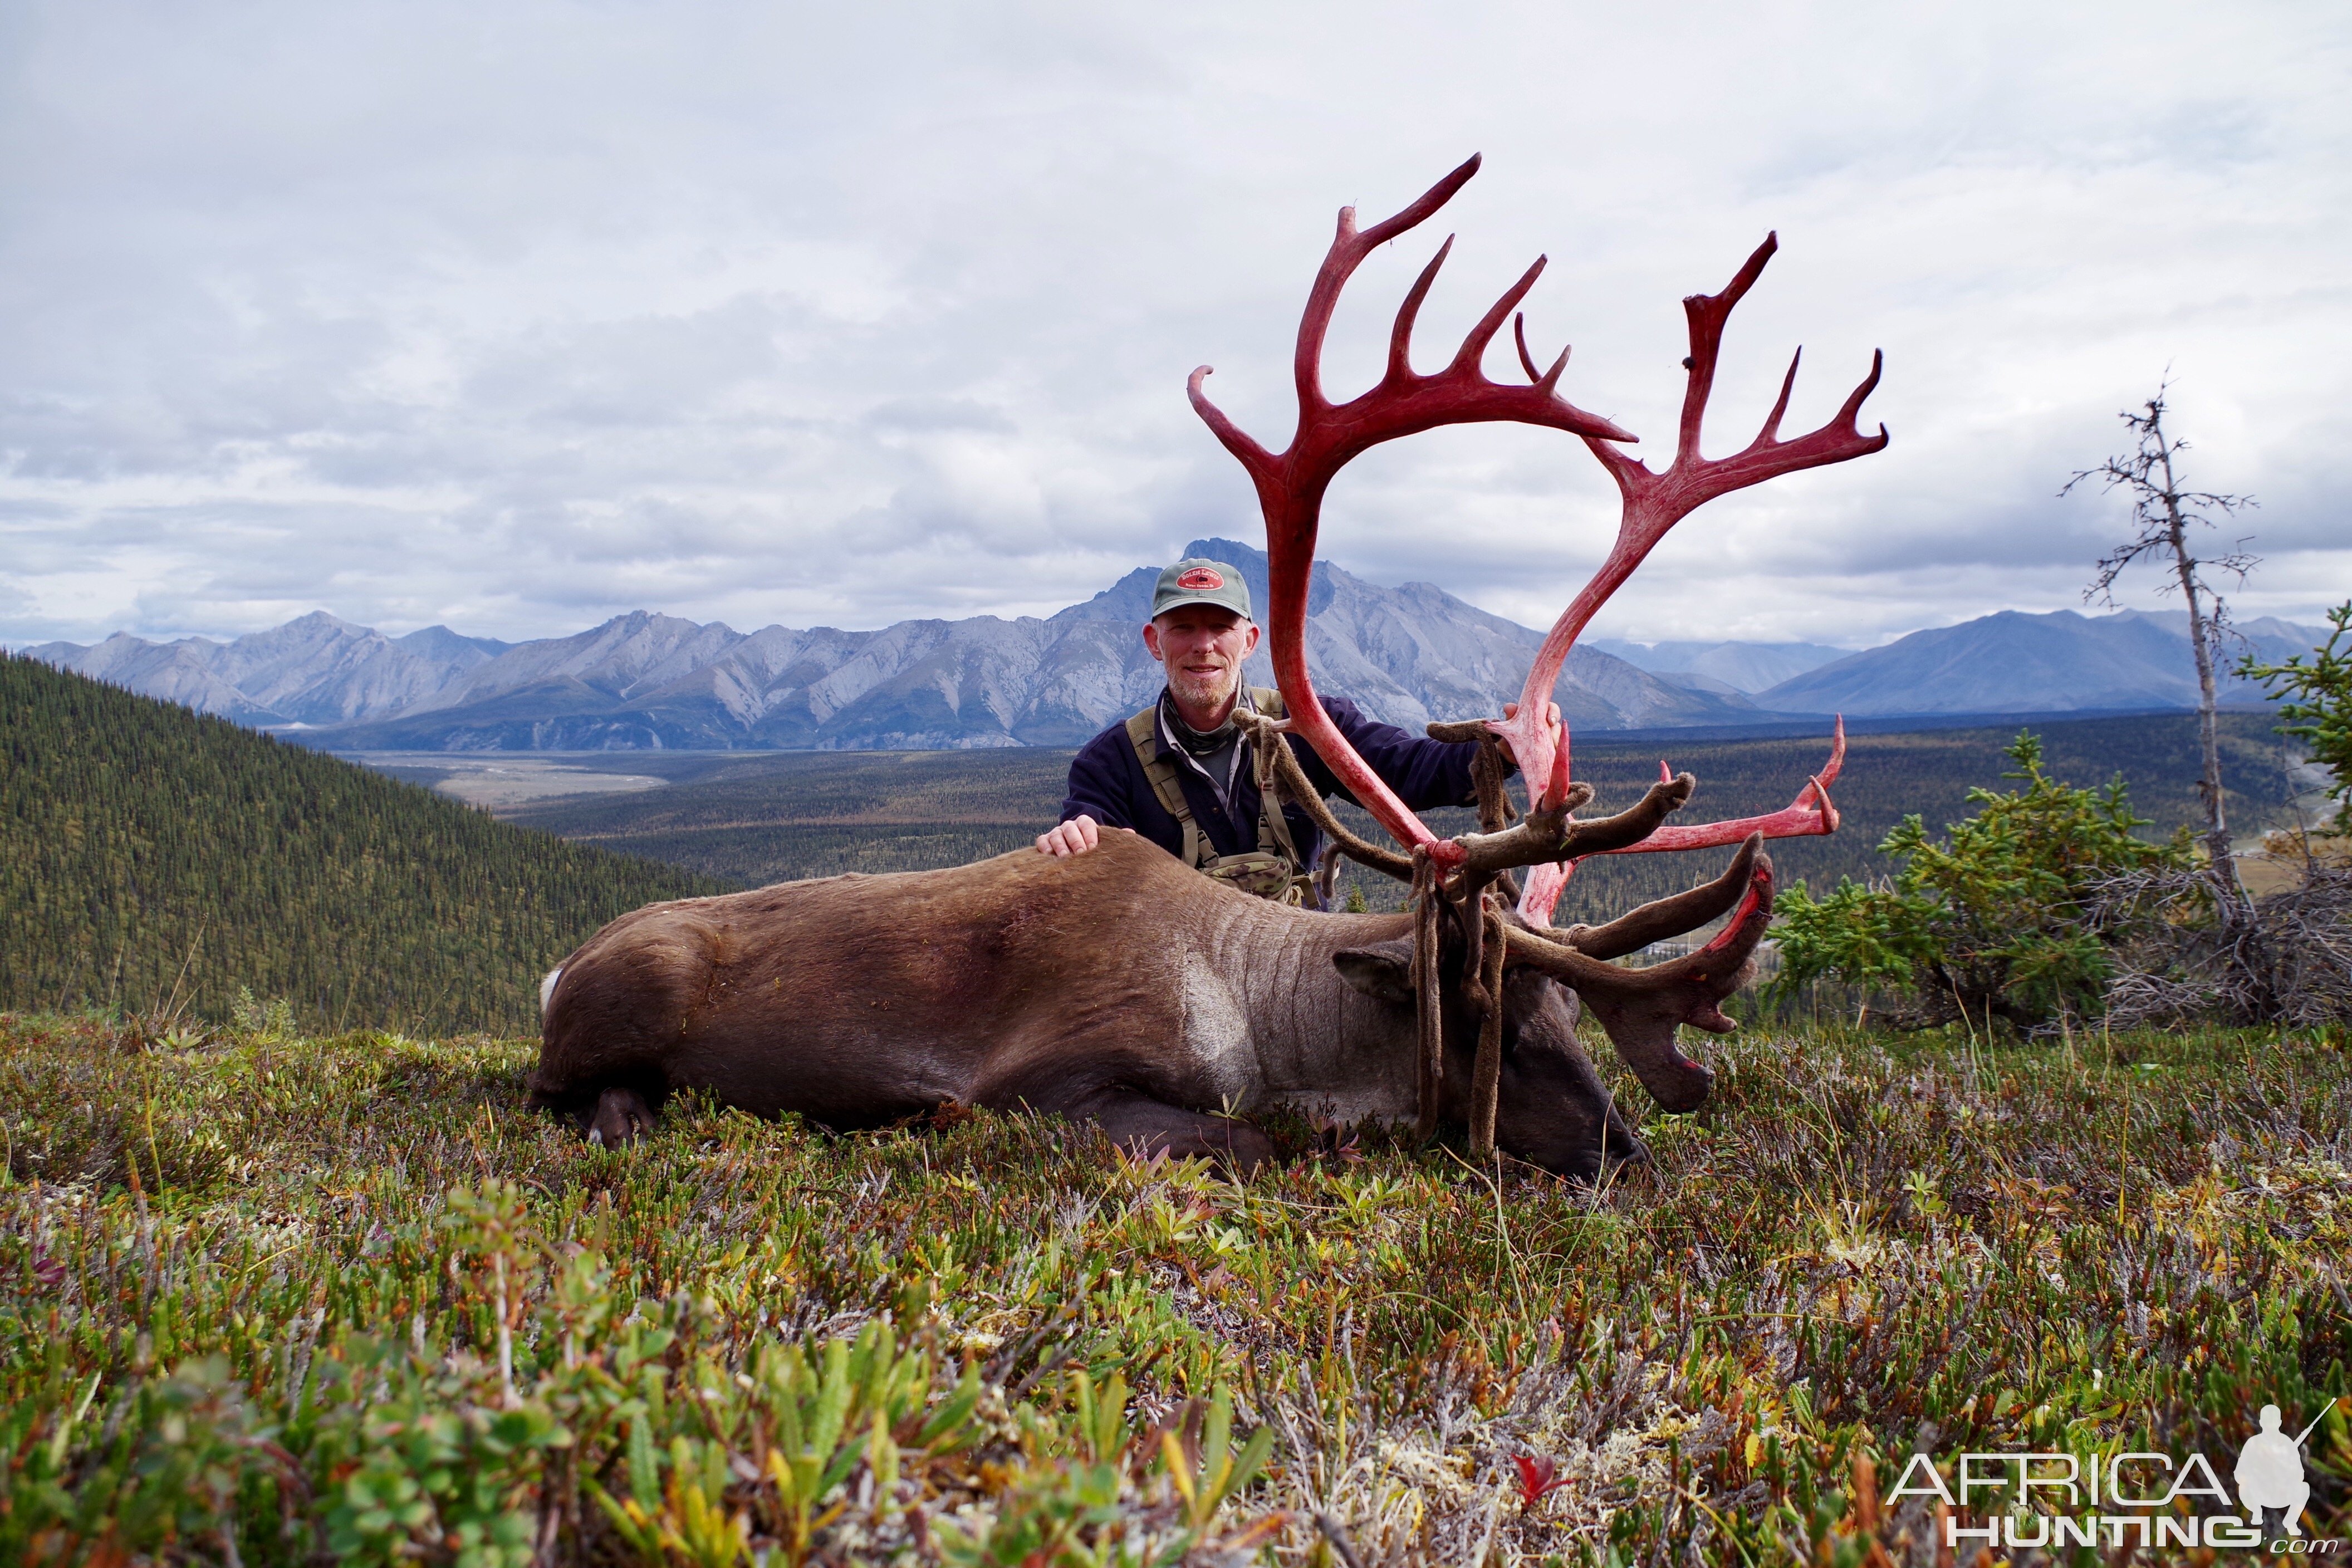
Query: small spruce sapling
[[1997, 920]]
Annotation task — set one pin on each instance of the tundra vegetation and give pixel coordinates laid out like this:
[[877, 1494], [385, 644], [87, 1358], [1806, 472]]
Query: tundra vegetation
[[267, 1297], [2004, 919], [2316, 693], [2048, 911]]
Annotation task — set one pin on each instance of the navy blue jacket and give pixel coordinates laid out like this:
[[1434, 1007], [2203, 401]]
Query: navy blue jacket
[[1107, 782]]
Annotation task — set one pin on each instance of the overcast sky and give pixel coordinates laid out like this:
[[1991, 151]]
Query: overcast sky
[[516, 316]]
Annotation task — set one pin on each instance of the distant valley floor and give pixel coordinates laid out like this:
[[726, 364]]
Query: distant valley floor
[[751, 819]]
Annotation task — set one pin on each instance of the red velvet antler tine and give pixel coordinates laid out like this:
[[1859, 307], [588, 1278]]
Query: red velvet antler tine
[[1852, 406], [1545, 380], [1347, 251], [1401, 334], [1467, 358], [1239, 442], [1810, 814], [1428, 201], [1772, 431], [1706, 314]]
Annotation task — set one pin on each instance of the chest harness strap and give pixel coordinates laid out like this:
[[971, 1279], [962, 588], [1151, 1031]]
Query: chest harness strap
[[1272, 870]]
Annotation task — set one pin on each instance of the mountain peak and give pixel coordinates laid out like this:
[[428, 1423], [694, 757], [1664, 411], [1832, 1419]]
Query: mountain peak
[[1408, 654]]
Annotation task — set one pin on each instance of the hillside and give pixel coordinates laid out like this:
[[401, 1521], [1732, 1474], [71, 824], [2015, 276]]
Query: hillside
[[771, 818], [2017, 663], [146, 850]]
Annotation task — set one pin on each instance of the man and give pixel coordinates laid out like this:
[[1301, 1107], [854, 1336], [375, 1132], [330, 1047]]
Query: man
[[1180, 773]]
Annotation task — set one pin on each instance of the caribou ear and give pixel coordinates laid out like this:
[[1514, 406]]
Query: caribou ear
[[1384, 971]]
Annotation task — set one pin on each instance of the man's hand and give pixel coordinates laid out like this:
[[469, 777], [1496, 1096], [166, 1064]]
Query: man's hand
[[1511, 711], [1074, 836]]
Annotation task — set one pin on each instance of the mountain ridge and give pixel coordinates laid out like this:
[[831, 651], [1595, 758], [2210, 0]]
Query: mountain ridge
[[644, 680], [1407, 654], [2058, 661]]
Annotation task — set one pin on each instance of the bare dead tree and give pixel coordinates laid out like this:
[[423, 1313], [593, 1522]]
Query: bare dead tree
[[2162, 509]]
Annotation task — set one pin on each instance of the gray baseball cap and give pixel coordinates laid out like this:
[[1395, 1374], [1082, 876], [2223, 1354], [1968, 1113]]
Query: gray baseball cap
[[1200, 581]]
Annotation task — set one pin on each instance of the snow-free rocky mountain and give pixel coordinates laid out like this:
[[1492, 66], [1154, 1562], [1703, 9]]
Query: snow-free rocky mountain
[[643, 681], [2056, 663], [1409, 655]]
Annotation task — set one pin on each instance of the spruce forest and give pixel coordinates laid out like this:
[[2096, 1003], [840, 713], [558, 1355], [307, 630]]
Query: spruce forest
[[159, 862]]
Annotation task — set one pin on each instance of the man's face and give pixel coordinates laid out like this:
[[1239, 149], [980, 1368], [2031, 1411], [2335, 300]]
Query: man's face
[[1202, 648]]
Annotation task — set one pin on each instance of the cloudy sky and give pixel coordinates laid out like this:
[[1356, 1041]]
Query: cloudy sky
[[516, 316]]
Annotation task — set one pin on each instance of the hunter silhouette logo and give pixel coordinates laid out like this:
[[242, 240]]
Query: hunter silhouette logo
[[1200, 579], [2126, 1498], [2270, 1471]]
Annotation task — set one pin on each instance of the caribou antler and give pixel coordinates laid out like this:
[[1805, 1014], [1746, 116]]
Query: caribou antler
[[1640, 1008], [1812, 812], [1290, 487]]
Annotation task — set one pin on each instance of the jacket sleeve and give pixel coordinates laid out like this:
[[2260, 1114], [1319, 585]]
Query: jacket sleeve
[[1424, 773], [1099, 784]]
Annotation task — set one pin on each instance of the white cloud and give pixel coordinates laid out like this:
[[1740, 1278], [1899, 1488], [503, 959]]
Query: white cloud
[[515, 317]]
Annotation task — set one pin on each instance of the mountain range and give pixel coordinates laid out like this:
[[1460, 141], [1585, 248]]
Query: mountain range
[[1724, 667], [645, 680], [2017, 663], [1407, 654]]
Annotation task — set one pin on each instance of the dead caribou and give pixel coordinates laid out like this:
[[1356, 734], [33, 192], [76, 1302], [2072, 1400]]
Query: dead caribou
[[1121, 988]]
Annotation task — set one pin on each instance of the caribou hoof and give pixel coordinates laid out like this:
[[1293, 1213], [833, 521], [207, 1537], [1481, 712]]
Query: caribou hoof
[[622, 1118]]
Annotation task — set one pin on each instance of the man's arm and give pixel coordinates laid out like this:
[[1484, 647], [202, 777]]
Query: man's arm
[[1095, 802], [1423, 773]]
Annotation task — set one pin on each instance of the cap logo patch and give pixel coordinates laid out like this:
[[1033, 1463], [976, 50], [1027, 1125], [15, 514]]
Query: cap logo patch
[[1199, 578]]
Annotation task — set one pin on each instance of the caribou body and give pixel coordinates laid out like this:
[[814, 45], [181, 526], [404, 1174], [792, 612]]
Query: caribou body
[[1117, 988], [1122, 988]]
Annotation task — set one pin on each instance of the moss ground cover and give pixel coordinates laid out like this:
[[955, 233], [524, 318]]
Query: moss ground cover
[[267, 1299]]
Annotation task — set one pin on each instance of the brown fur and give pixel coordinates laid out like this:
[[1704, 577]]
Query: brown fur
[[1116, 987]]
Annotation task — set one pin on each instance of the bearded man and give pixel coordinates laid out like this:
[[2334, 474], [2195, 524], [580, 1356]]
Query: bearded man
[[1180, 773]]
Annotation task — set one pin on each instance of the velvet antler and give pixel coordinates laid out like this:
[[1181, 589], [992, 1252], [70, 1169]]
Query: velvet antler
[[1291, 485]]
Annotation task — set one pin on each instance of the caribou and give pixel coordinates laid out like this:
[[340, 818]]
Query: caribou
[[1122, 989]]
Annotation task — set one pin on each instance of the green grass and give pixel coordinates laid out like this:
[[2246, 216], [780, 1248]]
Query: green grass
[[345, 1295], [154, 858]]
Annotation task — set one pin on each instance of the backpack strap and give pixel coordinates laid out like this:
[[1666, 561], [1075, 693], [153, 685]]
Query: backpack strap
[[1273, 837], [1273, 830], [1143, 735]]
